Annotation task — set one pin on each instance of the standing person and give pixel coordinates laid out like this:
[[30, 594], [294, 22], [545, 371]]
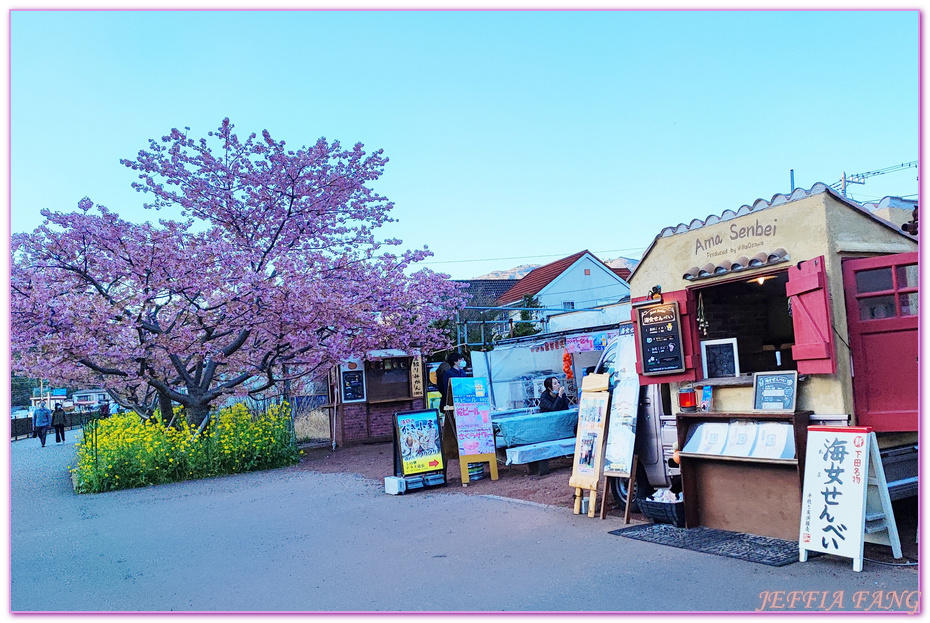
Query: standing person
[[104, 409], [58, 423], [457, 364], [41, 420], [553, 397]]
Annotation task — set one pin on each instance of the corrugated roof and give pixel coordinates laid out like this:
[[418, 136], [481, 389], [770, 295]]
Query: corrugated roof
[[539, 278]]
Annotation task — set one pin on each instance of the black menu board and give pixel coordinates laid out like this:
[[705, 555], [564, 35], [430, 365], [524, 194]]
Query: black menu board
[[775, 391], [353, 385], [660, 339]]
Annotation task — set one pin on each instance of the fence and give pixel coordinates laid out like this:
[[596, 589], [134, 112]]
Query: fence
[[21, 428]]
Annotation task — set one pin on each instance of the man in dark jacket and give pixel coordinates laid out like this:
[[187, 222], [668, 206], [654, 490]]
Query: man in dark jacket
[[41, 420], [457, 368], [553, 397]]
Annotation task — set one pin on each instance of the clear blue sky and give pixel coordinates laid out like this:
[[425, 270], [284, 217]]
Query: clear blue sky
[[514, 137]]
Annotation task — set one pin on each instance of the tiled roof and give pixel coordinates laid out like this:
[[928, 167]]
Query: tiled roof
[[539, 278], [759, 204], [737, 264], [485, 292], [624, 273]]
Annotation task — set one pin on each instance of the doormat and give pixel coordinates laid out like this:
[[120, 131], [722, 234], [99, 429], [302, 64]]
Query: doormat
[[750, 547]]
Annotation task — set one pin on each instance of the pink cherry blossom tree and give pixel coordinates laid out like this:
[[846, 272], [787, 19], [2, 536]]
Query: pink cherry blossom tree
[[272, 272]]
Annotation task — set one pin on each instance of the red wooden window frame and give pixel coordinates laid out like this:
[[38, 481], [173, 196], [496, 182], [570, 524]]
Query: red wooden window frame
[[814, 348], [690, 345]]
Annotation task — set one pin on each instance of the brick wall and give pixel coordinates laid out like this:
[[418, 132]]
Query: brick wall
[[370, 423]]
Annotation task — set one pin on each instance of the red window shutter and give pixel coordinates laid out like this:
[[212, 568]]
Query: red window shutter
[[813, 349], [689, 341]]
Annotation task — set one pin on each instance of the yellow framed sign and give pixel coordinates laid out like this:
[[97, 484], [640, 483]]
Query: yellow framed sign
[[417, 443]]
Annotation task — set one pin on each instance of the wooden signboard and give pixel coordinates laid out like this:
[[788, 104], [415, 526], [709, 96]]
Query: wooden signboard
[[624, 408], [588, 465], [417, 443], [472, 422], [775, 391], [416, 376], [845, 500], [660, 339]]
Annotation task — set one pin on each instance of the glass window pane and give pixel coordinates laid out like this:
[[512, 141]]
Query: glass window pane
[[876, 307], [907, 276], [909, 304], [388, 379], [876, 280]]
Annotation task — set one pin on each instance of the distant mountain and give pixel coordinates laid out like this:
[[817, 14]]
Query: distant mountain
[[514, 273], [622, 262]]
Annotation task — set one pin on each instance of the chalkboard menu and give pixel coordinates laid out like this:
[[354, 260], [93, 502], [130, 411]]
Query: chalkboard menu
[[353, 385], [775, 391], [660, 339]]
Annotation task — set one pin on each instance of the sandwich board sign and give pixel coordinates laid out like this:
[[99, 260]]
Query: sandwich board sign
[[417, 439], [624, 407], [588, 464], [472, 424], [845, 501]]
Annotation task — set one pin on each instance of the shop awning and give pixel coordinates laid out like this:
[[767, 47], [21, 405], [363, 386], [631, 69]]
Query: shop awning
[[741, 263]]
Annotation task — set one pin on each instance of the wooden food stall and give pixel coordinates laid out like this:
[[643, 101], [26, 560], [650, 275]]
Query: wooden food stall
[[810, 284]]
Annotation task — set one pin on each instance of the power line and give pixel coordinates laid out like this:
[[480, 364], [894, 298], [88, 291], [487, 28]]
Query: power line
[[859, 178], [527, 257]]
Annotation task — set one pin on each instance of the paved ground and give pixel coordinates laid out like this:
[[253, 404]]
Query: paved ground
[[302, 541]]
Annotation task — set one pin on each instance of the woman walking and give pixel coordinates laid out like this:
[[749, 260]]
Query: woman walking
[[58, 423]]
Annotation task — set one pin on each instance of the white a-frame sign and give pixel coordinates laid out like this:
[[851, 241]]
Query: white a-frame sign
[[846, 501]]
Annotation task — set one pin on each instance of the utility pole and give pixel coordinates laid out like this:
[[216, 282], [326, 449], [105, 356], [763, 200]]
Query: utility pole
[[860, 178]]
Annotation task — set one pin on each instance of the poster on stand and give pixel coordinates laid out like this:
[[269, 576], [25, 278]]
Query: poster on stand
[[472, 403], [589, 442], [624, 408], [417, 440]]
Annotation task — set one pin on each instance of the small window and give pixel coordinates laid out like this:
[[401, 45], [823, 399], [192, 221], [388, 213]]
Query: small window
[[877, 292], [754, 316], [388, 379], [568, 304], [587, 271]]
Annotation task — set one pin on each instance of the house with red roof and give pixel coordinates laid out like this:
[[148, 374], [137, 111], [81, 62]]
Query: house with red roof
[[579, 281]]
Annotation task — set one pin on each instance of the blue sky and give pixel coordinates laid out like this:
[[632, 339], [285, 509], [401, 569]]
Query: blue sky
[[514, 137]]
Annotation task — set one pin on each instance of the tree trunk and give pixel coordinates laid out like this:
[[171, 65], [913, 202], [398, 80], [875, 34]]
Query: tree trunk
[[197, 413], [165, 407]]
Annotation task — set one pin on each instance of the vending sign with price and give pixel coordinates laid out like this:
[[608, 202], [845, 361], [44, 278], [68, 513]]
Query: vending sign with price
[[660, 339]]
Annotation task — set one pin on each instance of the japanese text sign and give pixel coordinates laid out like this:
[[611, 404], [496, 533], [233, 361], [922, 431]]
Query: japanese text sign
[[472, 415], [835, 485], [418, 440]]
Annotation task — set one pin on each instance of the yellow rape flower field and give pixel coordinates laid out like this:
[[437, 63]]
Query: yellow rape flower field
[[123, 451]]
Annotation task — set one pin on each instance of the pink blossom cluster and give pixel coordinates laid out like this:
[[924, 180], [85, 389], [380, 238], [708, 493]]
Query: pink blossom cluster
[[274, 273]]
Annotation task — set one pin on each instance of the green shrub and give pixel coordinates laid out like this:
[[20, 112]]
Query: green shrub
[[123, 451]]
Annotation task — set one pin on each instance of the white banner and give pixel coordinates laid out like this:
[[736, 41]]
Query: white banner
[[624, 406]]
